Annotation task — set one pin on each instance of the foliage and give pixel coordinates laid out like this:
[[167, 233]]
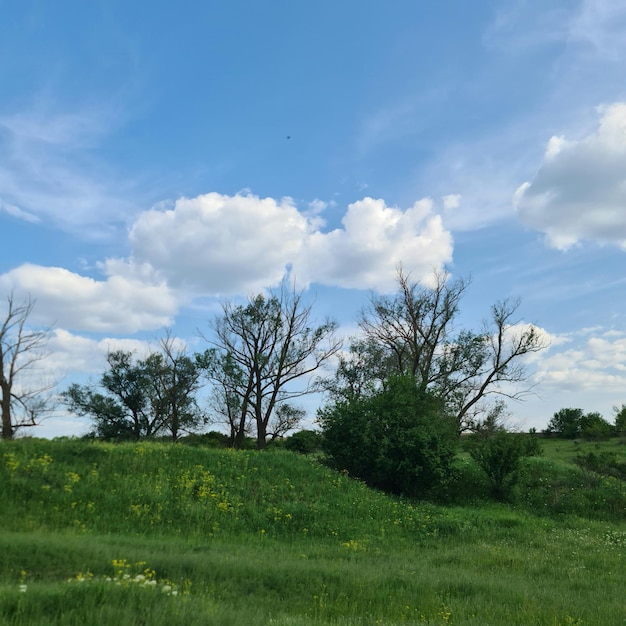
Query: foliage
[[260, 351], [571, 423], [499, 455], [142, 397], [21, 349], [566, 423], [176, 378], [304, 442], [412, 333], [398, 439], [620, 419], [594, 426], [605, 463]]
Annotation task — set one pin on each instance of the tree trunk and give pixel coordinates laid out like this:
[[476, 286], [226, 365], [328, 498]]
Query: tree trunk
[[7, 425]]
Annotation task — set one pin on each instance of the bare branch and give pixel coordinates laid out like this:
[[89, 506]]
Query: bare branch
[[21, 349]]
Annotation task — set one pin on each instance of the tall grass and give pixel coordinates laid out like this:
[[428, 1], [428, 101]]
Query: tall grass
[[275, 538]]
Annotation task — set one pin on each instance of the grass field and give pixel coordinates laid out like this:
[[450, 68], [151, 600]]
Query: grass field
[[157, 534]]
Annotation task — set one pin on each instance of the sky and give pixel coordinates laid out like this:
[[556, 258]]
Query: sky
[[157, 158]]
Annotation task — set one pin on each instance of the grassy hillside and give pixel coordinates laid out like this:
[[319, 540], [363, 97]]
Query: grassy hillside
[[166, 534]]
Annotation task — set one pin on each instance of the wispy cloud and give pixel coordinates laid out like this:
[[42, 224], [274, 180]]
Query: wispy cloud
[[50, 169], [14, 211]]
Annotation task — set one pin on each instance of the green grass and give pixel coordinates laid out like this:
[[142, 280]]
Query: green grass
[[252, 538], [568, 449]]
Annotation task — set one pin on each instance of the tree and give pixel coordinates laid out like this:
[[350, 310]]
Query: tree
[[398, 439], [21, 349], [620, 419], [259, 352], [124, 410], [226, 399], [176, 378], [142, 397], [566, 423], [594, 426], [413, 333], [571, 423]]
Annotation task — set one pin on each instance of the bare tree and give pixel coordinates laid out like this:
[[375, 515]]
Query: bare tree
[[415, 330], [260, 351], [21, 348]]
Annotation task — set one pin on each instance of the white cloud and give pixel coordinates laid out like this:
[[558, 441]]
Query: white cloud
[[374, 239], [597, 364], [583, 369], [217, 244], [579, 191], [72, 354], [69, 300]]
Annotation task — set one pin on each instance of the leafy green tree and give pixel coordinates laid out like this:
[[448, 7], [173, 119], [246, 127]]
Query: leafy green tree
[[262, 356], [594, 426], [500, 454], [141, 397], [571, 423], [413, 333], [398, 439], [176, 379], [620, 419], [124, 409], [566, 423]]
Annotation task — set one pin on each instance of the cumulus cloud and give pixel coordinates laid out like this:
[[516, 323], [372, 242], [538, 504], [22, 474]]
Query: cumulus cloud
[[217, 244], [373, 241], [68, 300], [579, 191], [596, 362], [75, 354], [220, 244]]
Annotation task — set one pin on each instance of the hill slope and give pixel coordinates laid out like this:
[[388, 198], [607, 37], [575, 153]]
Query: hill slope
[[166, 534]]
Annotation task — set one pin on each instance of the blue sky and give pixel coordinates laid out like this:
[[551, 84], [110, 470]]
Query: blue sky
[[156, 157]]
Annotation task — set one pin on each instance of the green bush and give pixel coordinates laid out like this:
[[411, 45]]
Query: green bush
[[398, 440], [304, 442], [605, 463], [500, 455]]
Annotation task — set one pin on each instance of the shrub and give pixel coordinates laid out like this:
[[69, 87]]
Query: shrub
[[500, 455], [605, 463], [398, 439], [304, 442]]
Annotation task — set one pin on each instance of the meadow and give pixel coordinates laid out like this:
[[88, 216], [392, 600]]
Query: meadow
[[155, 534]]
